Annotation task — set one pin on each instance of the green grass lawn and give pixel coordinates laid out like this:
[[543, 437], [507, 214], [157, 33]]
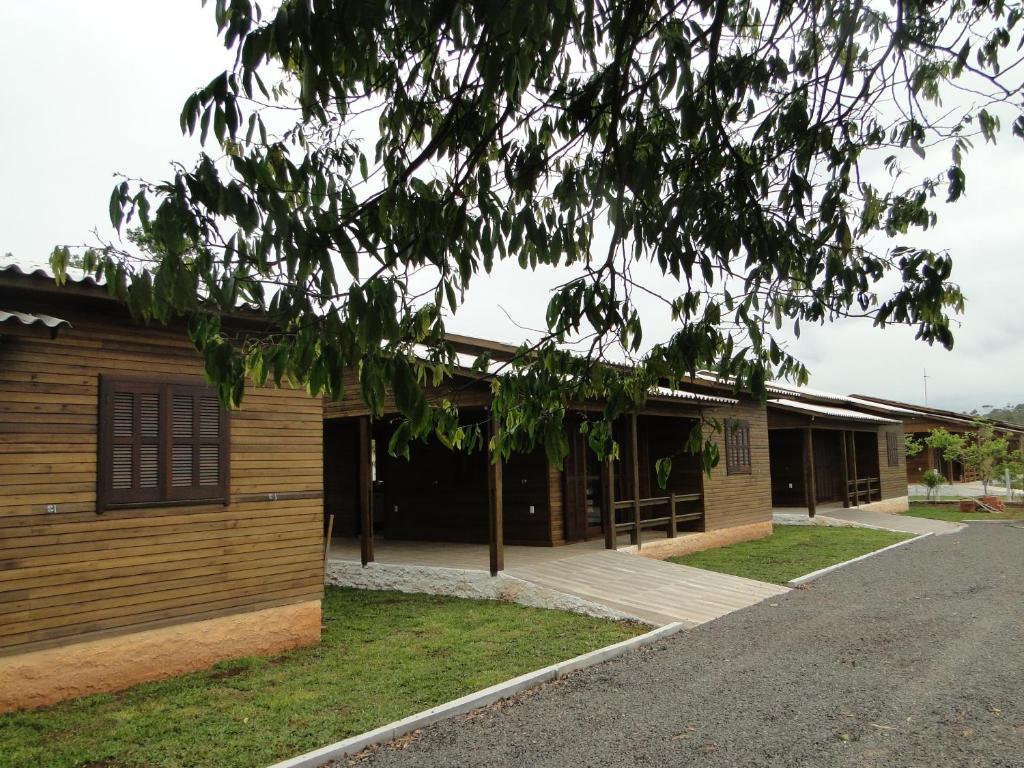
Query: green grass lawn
[[791, 551], [384, 655], [952, 514]]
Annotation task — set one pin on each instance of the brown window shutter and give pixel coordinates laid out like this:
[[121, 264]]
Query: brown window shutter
[[209, 442], [160, 444], [892, 446], [737, 447], [129, 438], [198, 444]]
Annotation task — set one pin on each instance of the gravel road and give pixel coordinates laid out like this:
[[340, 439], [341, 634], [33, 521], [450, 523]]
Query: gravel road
[[911, 658]]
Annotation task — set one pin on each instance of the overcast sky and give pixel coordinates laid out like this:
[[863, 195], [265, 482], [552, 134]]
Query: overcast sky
[[93, 88]]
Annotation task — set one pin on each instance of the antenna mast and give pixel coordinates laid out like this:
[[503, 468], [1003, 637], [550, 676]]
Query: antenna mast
[[925, 386]]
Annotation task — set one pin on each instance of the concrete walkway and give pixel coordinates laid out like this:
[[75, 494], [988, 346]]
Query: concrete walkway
[[653, 591], [901, 523]]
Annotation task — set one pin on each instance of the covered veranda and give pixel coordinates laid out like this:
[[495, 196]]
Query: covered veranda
[[823, 457], [377, 501]]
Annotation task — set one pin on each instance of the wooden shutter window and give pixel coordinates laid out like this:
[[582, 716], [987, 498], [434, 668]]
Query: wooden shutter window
[[892, 444], [737, 447], [160, 443]]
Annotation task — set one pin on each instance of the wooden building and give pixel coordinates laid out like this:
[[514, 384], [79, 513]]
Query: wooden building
[[144, 530], [920, 420], [441, 495], [824, 454]]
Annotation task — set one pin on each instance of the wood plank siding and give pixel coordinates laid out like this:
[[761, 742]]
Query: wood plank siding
[[740, 499], [72, 573], [893, 478]]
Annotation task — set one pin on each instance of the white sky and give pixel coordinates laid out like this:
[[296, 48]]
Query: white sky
[[93, 88]]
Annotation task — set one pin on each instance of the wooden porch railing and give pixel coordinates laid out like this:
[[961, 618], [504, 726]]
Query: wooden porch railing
[[671, 520], [863, 489]]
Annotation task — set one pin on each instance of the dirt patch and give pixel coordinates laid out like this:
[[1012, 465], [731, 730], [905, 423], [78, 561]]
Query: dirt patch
[[225, 674]]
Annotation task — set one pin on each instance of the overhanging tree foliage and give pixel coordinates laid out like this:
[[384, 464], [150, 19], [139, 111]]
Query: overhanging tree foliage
[[742, 153]]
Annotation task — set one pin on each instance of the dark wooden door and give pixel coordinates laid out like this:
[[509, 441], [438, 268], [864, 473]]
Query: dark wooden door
[[583, 489], [828, 468]]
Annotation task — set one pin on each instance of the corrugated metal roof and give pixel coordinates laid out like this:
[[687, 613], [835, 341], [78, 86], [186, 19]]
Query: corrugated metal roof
[[683, 394], [824, 410], [465, 362], [43, 273], [773, 387], [882, 406], [50, 323], [786, 389]]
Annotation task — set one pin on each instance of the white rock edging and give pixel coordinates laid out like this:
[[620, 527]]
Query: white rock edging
[[487, 696], [458, 582], [822, 571]]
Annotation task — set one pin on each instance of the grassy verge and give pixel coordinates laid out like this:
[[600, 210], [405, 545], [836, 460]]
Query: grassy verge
[[952, 514], [383, 656], [791, 551]]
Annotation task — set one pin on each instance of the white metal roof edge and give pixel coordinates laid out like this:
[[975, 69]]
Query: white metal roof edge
[[33, 318], [823, 410], [683, 394]]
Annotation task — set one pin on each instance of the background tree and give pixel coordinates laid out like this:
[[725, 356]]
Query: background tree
[[912, 446], [731, 159], [1011, 413], [981, 451]]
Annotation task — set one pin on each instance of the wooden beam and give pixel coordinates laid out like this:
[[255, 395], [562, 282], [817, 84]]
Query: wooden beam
[[635, 451], [856, 480], [608, 505], [673, 526], [846, 469], [365, 493], [495, 525], [810, 491], [327, 541]]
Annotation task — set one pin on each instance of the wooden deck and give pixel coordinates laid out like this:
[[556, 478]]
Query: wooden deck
[[652, 590]]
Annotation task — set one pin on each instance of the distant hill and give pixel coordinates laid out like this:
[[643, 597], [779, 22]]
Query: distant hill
[[1011, 413]]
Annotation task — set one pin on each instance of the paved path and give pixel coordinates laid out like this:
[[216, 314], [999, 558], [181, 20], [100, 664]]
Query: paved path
[[903, 523], [911, 658], [973, 488]]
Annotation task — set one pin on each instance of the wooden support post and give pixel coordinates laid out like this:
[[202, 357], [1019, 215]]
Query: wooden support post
[[672, 525], [856, 480], [610, 532], [496, 526], [846, 469], [327, 541], [634, 442], [365, 493], [810, 490]]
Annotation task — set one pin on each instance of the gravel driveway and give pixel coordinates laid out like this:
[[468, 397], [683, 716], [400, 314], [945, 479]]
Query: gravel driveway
[[911, 658]]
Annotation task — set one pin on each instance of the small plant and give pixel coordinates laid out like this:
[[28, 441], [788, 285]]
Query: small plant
[[931, 480]]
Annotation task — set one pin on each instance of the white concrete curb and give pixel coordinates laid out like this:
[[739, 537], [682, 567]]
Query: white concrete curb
[[822, 571], [399, 728]]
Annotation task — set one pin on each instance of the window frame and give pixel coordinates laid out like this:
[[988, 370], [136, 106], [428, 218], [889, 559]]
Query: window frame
[[165, 494], [892, 448], [738, 454]]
